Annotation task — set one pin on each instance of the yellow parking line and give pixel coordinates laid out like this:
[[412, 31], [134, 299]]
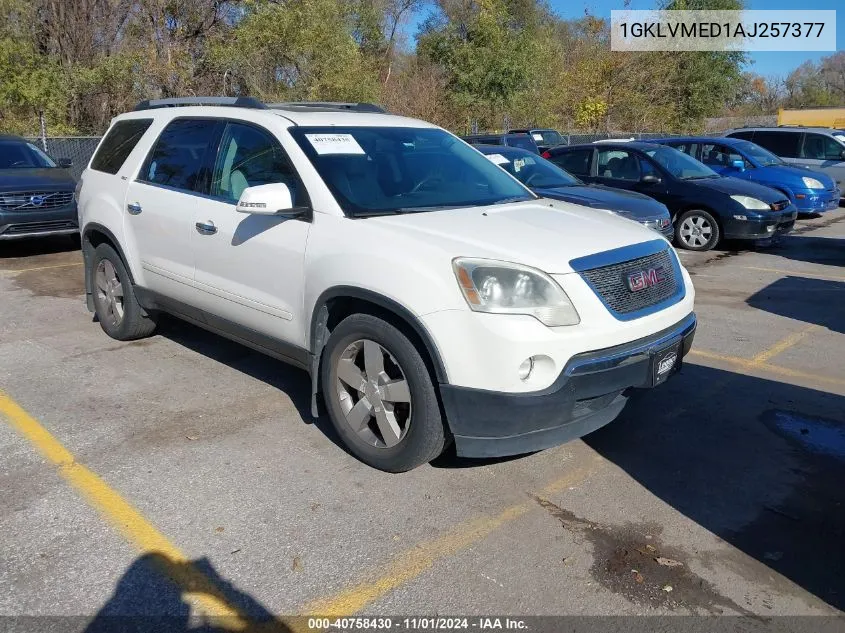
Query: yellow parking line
[[783, 345], [795, 273], [422, 557], [744, 363], [208, 598], [29, 270]]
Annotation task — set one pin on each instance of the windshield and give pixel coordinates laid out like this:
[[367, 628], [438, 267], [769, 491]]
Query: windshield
[[17, 155], [759, 154], [680, 165], [382, 170], [532, 170]]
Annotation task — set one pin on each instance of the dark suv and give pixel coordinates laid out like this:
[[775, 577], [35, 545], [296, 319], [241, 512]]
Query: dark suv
[[36, 192], [522, 140], [704, 205]]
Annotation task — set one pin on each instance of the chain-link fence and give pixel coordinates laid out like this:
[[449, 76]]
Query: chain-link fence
[[77, 148]]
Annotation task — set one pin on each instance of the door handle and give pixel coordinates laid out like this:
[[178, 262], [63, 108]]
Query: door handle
[[134, 208], [206, 228]]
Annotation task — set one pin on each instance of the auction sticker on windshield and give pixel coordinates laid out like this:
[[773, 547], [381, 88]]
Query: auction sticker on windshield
[[334, 143], [498, 159]]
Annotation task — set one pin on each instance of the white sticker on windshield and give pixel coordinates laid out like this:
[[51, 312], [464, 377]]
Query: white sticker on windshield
[[334, 143], [537, 137], [497, 158]]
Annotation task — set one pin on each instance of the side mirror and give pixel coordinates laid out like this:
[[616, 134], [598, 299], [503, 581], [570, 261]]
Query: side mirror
[[739, 165], [650, 179], [64, 163], [272, 199]]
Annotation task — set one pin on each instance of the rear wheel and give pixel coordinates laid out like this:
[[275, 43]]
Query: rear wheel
[[380, 396], [117, 309], [697, 230]]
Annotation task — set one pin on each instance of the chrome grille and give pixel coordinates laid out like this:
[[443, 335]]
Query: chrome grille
[[34, 200], [611, 283]]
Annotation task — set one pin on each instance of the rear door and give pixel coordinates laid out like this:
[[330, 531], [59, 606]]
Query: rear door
[[249, 268], [161, 202]]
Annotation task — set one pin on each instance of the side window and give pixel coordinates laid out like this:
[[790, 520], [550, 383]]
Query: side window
[[743, 135], [687, 148], [783, 144], [820, 147], [250, 157], [118, 144], [647, 168], [178, 158], [618, 164], [717, 155], [575, 162]]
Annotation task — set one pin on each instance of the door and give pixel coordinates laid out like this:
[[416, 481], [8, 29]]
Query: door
[[722, 158], [824, 153], [250, 268], [160, 206]]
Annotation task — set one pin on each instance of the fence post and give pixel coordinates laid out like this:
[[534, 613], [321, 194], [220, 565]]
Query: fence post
[[43, 124]]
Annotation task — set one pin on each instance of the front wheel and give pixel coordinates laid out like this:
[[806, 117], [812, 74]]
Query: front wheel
[[697, 230], [380, 396]]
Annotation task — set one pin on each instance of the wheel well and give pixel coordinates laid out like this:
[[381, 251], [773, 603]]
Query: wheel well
[[96, 235], [341, 307]]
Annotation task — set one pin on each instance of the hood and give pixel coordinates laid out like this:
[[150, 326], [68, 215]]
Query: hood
[[636, 205], [36, 179], [791, 175], [545, 234], [736, 187]]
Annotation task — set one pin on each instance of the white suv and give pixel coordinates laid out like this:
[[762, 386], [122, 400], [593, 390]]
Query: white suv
[[431, 296]]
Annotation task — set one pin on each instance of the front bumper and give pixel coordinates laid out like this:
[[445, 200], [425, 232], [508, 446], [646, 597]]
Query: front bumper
[[588, 394], [759, 226], [36, 223], [815, 201]]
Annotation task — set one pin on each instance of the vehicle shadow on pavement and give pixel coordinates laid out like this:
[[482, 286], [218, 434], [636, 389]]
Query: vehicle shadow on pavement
[[817, 301], [150, 598], [759, 463], [828, 251], [293, 381]]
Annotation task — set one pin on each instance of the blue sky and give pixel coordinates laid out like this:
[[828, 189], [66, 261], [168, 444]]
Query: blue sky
[[768, 64]]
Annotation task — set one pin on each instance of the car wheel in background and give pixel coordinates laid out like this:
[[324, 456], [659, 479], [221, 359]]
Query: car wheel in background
[[697, 230], [117, 309], [380, 396]]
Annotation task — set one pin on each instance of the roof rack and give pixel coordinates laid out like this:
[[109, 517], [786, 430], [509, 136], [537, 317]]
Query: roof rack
[[327, 106], [238, 102]]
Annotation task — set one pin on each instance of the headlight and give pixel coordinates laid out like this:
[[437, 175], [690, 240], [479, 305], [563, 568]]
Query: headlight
[[504, 288], [751, 203], [812, 183]]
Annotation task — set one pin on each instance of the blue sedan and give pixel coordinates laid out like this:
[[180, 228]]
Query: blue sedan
[[810, 191], [550, 181]]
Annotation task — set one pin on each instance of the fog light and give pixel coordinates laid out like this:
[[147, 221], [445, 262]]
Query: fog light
[[770, 228], [526, 368]]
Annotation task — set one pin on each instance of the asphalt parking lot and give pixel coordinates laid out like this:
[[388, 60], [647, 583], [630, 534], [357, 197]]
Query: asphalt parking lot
[[183, 471]]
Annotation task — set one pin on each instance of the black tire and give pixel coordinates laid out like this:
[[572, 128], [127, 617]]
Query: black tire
[[425, 437], [708, 241], [136, 322]]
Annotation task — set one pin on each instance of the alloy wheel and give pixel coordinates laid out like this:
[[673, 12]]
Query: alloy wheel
[[696, 231], [374, 394], [109, 291]]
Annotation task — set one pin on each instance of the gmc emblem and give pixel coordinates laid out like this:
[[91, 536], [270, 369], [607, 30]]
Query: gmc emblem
[[643, 279]]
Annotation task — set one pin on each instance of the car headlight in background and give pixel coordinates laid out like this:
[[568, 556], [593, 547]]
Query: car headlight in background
[[812, 183], [505, 288], [751, 203]]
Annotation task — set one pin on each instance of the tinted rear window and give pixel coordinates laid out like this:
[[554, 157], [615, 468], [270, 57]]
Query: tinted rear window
[[522, 141], [118, 143], [748, 135], [575, 161], [780, 143]]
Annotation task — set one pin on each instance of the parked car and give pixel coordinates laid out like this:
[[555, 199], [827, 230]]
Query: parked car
[[522, 140], [545, 138], [809, 191], [548, 180], [36, 192], [705, 206], [431, 296], [820, 149]]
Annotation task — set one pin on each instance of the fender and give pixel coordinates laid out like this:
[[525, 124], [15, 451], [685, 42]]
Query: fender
[[87, 252], [319, 333]]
